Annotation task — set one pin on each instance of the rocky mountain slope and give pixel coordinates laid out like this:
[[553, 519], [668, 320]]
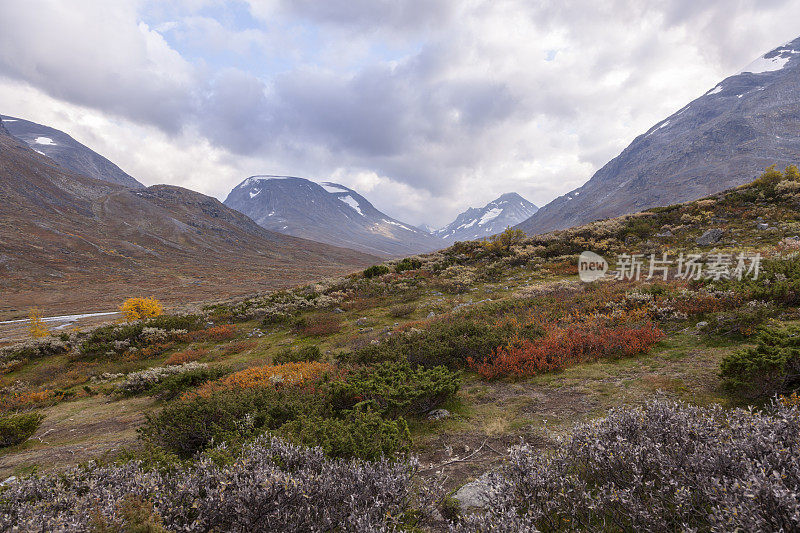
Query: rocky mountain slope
[[477, 223], [67, 152], [720, 140], [329, 213], [73, 243]]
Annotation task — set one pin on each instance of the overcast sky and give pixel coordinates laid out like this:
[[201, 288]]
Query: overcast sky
[[426, 107]]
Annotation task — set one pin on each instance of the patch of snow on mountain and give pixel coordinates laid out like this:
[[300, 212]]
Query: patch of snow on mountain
[[9, 120], [349, 200], [490, 215], [255, 193], [393, 223], [333, 187], [763, 64], [715, 90], [47, 141]]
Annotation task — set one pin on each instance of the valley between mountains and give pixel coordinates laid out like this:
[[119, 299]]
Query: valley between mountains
[[294, 359]]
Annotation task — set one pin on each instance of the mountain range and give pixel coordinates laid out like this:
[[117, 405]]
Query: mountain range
[[71, 242], [78, 232], [723, 139]]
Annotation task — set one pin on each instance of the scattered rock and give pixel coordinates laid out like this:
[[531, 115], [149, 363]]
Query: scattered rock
[[361, 321], [8, 481], [667, 233], [701, 325], [711, 236], [762, 226], [338, 310], [431, 314], [474, 495], [438, 414]]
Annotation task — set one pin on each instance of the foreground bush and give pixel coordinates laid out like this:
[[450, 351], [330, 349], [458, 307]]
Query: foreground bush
[[666, 467], [272, 486], [16, 429], [190, 425], [394, 389], [362, 434], [770, 367]]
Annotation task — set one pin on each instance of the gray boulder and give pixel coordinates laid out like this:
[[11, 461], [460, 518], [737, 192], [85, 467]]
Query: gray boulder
[[474, 495], [711, 236]]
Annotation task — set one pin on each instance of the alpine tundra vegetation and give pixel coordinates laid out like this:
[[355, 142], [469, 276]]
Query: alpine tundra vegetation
[[364, 402]]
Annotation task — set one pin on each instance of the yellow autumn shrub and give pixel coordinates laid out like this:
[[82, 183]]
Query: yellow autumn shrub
[[36, 326], [139, 308]]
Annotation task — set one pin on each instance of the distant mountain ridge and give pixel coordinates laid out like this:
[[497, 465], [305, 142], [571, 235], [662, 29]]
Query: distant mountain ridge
[[67, 152], [326, 212], [722, 139], [72, 243], [477, 223]]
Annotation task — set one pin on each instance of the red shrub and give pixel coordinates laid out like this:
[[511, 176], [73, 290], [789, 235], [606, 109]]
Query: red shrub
[[322, 326], [564, 346]]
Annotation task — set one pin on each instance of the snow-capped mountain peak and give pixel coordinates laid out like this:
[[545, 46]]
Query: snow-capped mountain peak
[[326, 212], [477, 223]]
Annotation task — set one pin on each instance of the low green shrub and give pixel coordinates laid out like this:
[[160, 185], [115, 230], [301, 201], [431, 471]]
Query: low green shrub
[[743, 321], [778, 281], [394, 389], [187, 426], [175, 385], [440, 344], [361, 434], [409, 263], [37, 349], [770, 367], [376, 270], [300, 355], [119, 338], [16, 429]]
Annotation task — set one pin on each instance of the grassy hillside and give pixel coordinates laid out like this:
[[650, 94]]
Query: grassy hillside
[[453, 357]]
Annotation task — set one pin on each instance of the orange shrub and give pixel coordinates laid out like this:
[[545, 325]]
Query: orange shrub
[[564, 346], [224, 332], [705, 303], [149, 351], [22, 400], [186, 356], [270, 375], [238, 347]]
